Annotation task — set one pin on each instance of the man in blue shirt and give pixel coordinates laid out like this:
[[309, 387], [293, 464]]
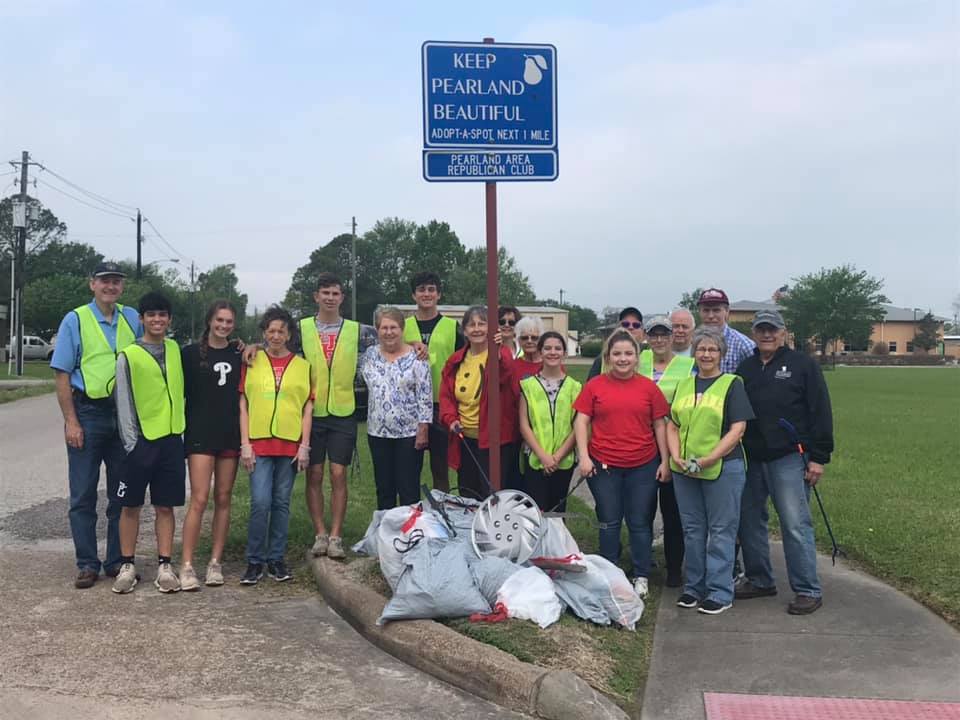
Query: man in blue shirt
[[85, 363], [714, 308]]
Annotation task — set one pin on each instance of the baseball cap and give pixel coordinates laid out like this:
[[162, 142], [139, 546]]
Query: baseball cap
[[769, 317], [713, 296], [108, 268], [658, 321], [630, 311]]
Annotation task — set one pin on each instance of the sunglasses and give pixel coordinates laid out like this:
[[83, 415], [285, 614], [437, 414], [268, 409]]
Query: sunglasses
[[504, 323], [633, 325], [529, 338]]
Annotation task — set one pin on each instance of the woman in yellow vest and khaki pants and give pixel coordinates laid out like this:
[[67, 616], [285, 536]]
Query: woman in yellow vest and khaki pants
[[276, 410], [667, 370], [707, 419]]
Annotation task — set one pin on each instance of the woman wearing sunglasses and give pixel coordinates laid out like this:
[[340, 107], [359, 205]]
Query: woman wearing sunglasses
[[631, 320], [507, 318], [528, 332]]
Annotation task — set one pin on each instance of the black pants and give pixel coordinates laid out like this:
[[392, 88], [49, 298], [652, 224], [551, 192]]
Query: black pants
[[437, 438], [396, 470], [470, 481], [548, 490], [672, 529]]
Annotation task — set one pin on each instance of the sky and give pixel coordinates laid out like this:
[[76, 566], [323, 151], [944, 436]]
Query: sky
[[729, 144]]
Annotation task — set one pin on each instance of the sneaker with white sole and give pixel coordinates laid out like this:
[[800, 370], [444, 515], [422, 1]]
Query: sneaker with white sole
[[167, 580], [320, 545], [214, 576], [687, 601], [641, 587], [189, 582], [127, 579], [253, 574], [335, 549], [712, 607]]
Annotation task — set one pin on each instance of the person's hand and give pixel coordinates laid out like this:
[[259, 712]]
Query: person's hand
[[241, 345], [813, 474], [586, 467], [73, 434], [247, 457], [456, 428], [422, 440], [707, 461], [423, 352], [250, 353], [663, 473], [549, 464], [303, 457], [678, 461], [498, 337]]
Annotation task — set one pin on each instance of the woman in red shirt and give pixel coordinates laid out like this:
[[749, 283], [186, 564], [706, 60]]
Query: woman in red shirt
[[622, 444]]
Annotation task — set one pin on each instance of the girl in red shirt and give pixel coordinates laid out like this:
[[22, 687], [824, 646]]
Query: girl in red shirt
[[622, 445]]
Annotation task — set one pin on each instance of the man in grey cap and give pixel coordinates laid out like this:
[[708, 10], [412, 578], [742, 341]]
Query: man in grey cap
[[782, 384], [85, 361]]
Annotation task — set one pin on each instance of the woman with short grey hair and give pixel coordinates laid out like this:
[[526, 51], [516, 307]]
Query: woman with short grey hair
[[528, 332], [708, 333]]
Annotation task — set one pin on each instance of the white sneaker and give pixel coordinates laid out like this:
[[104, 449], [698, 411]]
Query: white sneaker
[[126, 579], [320, 545], [641, 587], [188, 579], [167, 580], [335, 549], [214, 574]]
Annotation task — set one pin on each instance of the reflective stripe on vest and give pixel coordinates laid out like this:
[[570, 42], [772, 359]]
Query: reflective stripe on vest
[[700, 424], [157, 399], [443, 340], [98, 361], [677, 369], [274, 413], [550, 428], [336, 397]]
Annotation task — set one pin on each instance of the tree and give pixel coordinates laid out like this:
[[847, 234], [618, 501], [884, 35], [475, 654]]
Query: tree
[[840, 303], [220, 282], [926, 337], [47, 299], [689, 300], [467, 283], [40, 232], [57, 257]]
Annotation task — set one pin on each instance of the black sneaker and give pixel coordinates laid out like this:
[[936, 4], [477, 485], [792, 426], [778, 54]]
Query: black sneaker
[[253, 574], [712, 607], [687, 601], [277, 569], [747, 591]]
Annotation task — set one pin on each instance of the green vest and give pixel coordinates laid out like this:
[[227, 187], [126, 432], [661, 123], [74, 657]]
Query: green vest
[[551, 428], [700, 424], [333, 384], [677, 369], [272, 412], [158, 400], [443, 340], [98, 363]]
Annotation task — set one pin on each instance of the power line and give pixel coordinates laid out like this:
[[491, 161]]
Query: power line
[[89, 193], [84, 202], [164, 240]]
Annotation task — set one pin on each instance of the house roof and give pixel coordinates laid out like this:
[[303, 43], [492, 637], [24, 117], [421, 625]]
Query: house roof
[[892, 312]]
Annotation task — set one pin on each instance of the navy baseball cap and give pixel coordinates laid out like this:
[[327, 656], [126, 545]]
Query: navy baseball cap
[[105, 269]]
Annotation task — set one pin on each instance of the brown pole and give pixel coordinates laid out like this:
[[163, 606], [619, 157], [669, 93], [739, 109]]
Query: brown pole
[[493, 350]]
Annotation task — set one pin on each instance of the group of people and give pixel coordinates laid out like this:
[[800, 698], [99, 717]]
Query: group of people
[[690, 419]]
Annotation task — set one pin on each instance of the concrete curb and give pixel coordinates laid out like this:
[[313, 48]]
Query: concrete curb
[[463, 662]]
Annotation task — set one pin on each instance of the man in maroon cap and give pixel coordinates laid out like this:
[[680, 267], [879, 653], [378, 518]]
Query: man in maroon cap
[[714, 308]]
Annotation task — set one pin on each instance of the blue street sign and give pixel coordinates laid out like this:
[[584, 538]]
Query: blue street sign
[[489, 165], [497, 96]]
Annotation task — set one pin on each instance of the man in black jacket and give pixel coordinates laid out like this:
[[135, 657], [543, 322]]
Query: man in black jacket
[[782, 383]]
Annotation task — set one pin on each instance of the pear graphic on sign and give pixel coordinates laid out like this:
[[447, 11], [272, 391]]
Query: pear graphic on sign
[[532, 67]]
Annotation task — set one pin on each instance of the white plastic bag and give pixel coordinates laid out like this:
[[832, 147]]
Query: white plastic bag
[[490, 573], [368, 545], [557, 549], [609, 585], [584, 603], [401, 528], [529, 595]]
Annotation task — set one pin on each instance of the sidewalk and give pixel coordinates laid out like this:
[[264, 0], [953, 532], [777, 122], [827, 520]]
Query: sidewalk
[[867, 641]]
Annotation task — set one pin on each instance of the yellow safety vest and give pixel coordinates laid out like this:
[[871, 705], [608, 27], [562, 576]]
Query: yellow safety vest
[[551, 428], [98, 362], [276, 413], [333, 383], [443, 340], [677, 369], [700, 424], [157, 399]]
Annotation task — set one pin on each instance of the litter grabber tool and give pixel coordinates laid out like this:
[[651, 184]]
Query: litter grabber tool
[[795, 440], [476, 461], [439, 509]]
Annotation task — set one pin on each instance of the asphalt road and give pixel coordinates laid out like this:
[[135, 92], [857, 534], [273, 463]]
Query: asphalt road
[[274, 651]]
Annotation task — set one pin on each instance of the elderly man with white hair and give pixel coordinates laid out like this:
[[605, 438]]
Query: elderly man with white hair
[[683, 323]]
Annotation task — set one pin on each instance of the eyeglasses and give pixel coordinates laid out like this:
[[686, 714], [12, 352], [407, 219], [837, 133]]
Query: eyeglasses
[[632, 325], [708, 350], [529, 338], [504, 323], [658, 336]]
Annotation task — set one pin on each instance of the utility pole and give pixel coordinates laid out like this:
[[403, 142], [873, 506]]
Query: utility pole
[[193, 300], [353, 269], [21, 261], [561, 297], [139, 245]]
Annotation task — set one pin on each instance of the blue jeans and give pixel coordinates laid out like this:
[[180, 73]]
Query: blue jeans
[[271, 484], [101, 445], [710, 513], [782, 480], [627, 494]]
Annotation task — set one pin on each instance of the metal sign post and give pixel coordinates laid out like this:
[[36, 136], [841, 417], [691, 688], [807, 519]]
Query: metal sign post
[[490, 115]]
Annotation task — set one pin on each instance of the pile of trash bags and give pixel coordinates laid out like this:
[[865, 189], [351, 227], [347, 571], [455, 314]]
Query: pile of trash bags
[[434, 571]]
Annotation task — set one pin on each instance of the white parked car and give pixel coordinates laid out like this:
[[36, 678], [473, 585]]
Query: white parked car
[[34, 348]]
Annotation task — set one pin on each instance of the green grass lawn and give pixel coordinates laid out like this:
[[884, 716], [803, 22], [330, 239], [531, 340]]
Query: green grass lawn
[[34, 369]]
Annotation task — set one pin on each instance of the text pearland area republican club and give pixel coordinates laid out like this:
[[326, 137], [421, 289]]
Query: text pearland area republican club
[[479, 95]]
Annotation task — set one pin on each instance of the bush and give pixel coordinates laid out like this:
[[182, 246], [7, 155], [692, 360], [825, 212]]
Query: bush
[[881, 348], [591, 348]]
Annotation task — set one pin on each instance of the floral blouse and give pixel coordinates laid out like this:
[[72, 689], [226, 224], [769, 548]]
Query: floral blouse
[[400, 394]]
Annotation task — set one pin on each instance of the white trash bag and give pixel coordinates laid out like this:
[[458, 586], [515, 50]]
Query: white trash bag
[[609, 585], [402, 528], [368, 545], [557, 549], [490, 573], [529, 595]]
